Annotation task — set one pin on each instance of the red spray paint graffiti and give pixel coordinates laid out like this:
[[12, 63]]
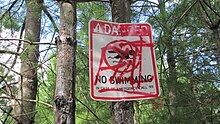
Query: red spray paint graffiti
[[127, 56]]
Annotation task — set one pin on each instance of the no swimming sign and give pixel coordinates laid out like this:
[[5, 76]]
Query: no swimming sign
[[122, 62]]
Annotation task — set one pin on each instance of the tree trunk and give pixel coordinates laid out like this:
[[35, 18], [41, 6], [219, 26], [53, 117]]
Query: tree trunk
[[66, 70], [122, 112], [217, 40], [171, 81], [171, 60], [25, 111]]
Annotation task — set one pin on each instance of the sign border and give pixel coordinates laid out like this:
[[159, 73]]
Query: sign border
[[91, 73]]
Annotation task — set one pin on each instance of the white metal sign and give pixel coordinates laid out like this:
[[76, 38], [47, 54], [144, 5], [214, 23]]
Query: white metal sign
[[122, 61]]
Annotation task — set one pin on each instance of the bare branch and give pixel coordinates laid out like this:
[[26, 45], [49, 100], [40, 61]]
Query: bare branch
[[185, 14], [90, 110], [207, 15], [211, 8], [51, 19], [28, 100], [27, 41], [8, 85], [9, 52], [8, 113], [6, 12], [10, 68]]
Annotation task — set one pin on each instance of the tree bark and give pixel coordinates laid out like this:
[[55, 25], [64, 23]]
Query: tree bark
[[66, 70], [217, 40], [171, 60], [27, 89], [122, 112], [171, 81], [121, 11]]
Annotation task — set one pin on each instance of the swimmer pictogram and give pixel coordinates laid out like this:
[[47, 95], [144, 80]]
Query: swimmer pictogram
[[122, 54]]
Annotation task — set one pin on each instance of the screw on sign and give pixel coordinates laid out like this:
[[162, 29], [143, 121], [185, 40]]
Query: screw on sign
[[122, 62]]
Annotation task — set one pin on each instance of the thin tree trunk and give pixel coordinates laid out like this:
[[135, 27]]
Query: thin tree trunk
[[217, 40], [122, 112], [171, 60], [171, 81], [25, 111], [66, 70]]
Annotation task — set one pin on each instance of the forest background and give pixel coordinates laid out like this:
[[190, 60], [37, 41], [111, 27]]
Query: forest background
[[187, 47]]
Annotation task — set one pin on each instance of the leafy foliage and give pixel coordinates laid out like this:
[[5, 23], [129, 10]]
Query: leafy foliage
[[189, 28]]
